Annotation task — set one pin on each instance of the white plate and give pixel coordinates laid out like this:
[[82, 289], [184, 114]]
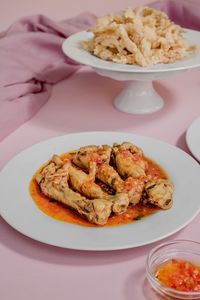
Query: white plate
[[193, 138], [19, 210], [72, 48]]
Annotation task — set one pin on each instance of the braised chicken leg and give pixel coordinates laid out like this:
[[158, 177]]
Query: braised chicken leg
[[85, 183], [129, 160], [53, 182]]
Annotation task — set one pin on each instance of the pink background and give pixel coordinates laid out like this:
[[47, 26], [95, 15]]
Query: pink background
[[32, 270], [59, 9]]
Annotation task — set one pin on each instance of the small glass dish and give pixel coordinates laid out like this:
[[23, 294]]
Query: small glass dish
[[180, 250]]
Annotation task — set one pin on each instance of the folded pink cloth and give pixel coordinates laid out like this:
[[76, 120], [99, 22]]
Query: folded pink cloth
[[31, 59]]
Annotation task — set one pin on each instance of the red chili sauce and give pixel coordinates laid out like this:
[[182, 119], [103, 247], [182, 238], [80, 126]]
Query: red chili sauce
[[179, 274]]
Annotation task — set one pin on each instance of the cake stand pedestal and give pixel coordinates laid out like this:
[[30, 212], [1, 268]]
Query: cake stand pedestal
[[139, 95]]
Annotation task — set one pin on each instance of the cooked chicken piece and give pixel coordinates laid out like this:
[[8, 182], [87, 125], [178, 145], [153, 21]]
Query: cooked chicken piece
[[50, 168], [96, 211], [129, 160], [98, 154], [159, 192], [84, 183], [109, 175], [119, 202], [54, 183], [134, 188]]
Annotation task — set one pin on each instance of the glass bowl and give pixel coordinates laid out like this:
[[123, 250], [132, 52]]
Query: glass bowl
[[177, 249]]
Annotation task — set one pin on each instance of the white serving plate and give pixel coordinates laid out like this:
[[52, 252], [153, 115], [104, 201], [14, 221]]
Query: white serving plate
[[19, 210]]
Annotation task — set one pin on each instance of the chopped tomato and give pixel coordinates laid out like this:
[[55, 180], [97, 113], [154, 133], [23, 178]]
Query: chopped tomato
[[179, 274]]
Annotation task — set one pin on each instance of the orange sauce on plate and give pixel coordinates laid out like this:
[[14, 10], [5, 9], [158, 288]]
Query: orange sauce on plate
[[63, 213], [179, 274]]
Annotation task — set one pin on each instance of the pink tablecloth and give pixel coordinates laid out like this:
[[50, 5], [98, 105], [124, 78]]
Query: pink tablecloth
[[28, 74], [32, 270], [46, 272]]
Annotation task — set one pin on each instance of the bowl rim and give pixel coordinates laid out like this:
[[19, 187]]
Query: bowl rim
[[156, 283]]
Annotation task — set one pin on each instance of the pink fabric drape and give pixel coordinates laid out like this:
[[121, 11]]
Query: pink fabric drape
[[31, 61]]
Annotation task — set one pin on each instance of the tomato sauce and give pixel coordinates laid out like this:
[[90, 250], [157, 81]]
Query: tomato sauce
[[179, 274], [61, 212]]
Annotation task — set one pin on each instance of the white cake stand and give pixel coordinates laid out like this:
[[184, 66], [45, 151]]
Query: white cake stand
[[138, 95]]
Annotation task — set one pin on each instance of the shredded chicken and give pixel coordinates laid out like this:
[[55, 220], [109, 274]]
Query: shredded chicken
[[141, 36]]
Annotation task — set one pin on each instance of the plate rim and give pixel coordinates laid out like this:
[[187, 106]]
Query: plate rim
[[189, 132], [99, 248]]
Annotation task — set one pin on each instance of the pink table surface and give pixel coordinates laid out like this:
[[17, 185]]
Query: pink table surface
[[32, 270]]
